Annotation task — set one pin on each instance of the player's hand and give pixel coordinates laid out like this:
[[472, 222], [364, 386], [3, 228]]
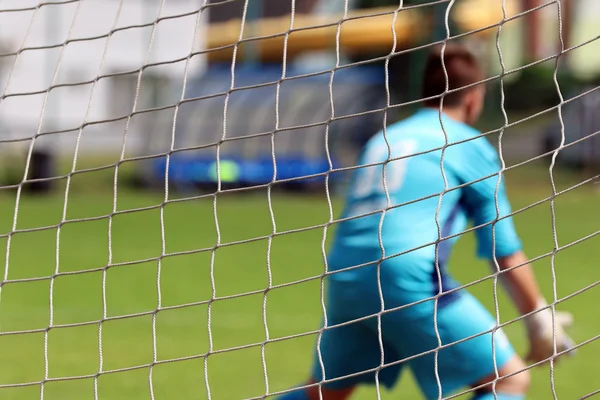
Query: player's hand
[[541, 333]]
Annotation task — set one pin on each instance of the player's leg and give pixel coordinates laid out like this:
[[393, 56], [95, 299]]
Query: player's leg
[[512, 387], [481, 355], [348, 355], [460, 365], [499, 396], [312, 393]]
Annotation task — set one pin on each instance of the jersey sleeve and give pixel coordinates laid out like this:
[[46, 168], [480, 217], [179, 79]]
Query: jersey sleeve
[[479, 170]]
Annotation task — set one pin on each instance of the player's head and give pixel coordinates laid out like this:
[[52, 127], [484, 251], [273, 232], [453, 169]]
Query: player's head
[[463, 70]]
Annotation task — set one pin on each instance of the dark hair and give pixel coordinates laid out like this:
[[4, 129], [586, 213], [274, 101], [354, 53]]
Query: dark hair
[[462, 69]]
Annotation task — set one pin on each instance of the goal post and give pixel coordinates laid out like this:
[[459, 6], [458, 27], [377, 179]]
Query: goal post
[[209, 281]]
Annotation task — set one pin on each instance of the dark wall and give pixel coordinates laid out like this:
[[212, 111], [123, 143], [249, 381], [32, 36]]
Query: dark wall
[[223, 10]]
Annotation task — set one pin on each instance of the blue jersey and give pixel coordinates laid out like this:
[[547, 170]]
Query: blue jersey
[[428, 195]]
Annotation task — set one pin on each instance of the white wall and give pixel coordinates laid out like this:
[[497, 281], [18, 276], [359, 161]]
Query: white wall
[[30, 31], [586, 59]]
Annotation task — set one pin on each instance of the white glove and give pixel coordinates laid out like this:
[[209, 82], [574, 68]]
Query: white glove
[[541, 333]]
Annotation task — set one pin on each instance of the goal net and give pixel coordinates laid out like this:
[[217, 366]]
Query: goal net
[[173, 171]]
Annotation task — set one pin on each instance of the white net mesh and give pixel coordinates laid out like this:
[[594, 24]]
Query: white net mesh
[[212, 283]]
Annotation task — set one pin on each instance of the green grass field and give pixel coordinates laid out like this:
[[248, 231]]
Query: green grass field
[[186, 278]]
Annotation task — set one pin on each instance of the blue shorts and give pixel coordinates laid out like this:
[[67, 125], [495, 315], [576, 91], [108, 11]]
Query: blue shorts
[[347, 351]]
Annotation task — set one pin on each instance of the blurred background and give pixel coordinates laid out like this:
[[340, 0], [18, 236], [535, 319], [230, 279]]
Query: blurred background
[[121, 283], [163, 74]]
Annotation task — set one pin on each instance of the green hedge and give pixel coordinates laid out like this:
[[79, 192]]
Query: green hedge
[[535, 88]]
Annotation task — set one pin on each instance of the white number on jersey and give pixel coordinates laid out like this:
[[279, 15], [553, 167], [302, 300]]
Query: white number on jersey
[[370, 179]]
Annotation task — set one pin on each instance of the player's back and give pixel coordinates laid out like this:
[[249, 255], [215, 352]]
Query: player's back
[[415, 218]]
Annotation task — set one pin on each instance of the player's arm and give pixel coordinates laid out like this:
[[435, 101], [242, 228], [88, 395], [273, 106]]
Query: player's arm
[[488, 207], [520, 282]]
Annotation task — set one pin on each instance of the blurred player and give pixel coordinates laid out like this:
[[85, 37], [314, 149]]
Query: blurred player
[[406, 248]]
